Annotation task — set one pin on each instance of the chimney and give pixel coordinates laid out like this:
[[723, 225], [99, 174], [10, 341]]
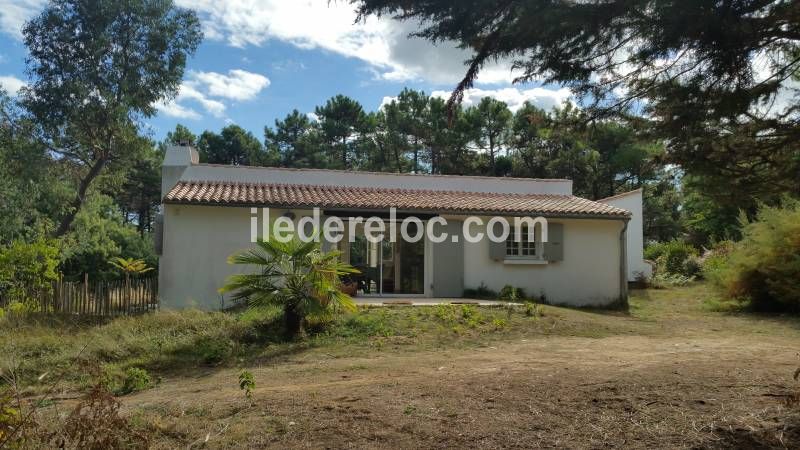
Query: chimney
[[176, 159]]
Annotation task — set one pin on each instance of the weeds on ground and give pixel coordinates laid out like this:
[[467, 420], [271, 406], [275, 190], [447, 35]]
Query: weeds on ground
[[532, 309], [135, 380], [94, 423], [247, 383], [132, 353], [666, 280], [716, 304]]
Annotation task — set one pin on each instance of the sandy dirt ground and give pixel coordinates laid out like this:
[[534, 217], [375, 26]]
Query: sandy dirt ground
[[676, 390]]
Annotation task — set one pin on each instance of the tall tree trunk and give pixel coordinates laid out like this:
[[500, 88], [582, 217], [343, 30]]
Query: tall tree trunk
[[491, 154], [80, 197], [344, 153], [611, 185], [397, 159]]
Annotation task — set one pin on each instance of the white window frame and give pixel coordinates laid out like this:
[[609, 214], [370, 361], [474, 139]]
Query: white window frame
[[524, 249]]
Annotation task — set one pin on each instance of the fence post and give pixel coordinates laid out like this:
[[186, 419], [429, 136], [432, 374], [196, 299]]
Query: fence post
[[106, 299]]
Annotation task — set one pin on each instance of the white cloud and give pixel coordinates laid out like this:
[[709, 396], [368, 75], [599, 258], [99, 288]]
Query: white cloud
[[543, 98], [14, 14], [320, 24], [237, 84], [315, 24], [188, 92], [174, 109], [387, 100], [312, 116], [11, 84], [202, 87]]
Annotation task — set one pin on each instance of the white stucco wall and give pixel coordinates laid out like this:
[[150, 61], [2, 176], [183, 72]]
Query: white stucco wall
[[197, 242], [588, 274], [199, 239], [632, 201]]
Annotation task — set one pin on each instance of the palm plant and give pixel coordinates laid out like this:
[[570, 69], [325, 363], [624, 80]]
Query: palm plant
[[130, 265], [297, 276]]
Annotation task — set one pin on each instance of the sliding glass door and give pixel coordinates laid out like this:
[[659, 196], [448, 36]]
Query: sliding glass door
[[388, 267]]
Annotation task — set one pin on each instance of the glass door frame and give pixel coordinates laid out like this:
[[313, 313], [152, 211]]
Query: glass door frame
[[380, 255]]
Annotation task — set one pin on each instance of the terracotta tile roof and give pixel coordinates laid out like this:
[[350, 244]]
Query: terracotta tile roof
[[360, 198]]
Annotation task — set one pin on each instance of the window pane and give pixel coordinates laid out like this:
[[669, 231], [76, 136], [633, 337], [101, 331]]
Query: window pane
[[524, 247]]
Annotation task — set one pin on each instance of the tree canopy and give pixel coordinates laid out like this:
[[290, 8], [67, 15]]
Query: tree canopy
[[96, 69], [712, 79]]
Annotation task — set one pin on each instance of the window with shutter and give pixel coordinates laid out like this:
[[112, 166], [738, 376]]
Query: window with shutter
[[524, 248]]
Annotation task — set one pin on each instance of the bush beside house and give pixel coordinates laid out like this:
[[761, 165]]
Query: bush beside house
[[26, 270], [764, 267]]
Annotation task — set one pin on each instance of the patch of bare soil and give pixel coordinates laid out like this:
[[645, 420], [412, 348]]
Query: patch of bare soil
[[565, 392]]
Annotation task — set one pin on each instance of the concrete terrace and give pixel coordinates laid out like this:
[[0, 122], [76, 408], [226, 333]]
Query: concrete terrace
[[425, 301]]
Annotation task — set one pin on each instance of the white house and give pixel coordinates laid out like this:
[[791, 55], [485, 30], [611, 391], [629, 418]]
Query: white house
[[209, 212]]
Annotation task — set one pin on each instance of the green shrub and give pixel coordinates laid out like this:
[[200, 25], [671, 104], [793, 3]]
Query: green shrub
[[692, 266], [16, 308], [673, 257], [445, 313], [714, 260], [16, 312], [469, 312], [511, 293], [98, 234], [532, 309], [27, 270], [135, 380], [481, 292], [471, 316], [214, 350], [653, 250], [247, 383], [764, 267]]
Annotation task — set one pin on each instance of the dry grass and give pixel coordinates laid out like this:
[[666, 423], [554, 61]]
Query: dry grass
[[672, 373]]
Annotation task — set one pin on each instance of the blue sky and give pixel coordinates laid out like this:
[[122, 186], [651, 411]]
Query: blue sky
[[260, 59]]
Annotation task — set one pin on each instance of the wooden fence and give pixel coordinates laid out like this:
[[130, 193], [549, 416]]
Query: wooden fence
[[101, 298]]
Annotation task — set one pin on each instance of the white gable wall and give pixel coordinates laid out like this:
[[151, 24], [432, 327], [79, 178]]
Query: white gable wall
[[632, 201]]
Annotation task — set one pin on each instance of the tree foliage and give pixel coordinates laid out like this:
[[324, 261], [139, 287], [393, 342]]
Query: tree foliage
[[233, 145], [342, 121], [712, 77], [96, 69], [27, 269], [294, 141]]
